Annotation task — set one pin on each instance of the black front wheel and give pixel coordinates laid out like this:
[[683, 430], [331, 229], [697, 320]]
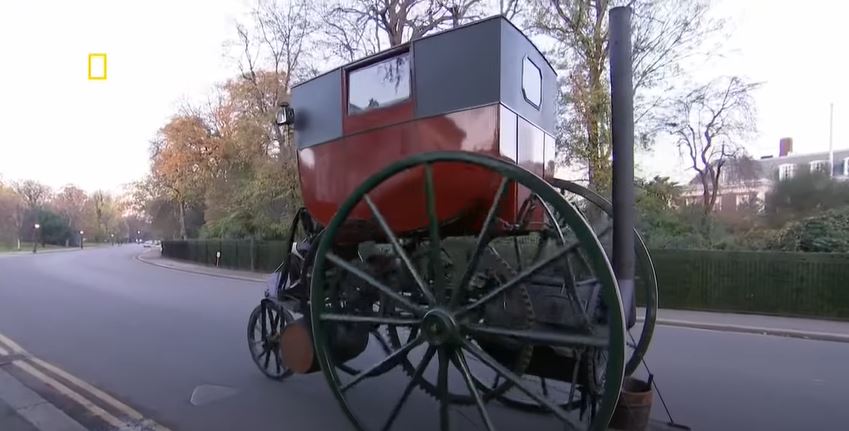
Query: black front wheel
[[264, 328]]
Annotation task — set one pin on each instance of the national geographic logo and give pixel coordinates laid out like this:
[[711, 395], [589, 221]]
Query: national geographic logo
[[97, 67]]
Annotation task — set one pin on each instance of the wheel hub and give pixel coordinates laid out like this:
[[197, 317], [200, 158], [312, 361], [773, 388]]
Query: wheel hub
[[439, 327]]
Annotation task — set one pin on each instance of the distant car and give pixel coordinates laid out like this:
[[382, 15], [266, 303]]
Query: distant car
[[147, 244]]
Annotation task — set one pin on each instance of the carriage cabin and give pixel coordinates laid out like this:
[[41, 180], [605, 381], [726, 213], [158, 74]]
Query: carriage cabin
[[482, 88]]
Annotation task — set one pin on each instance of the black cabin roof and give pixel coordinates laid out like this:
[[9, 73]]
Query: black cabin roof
[[406, 45]]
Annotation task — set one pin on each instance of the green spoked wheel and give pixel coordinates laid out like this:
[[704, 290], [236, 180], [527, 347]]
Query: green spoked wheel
[[468, 334], [646, 280]]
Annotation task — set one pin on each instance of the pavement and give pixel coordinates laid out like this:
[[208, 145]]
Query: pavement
[[153, 256], [135, 345], [814, 329], [22, 409]]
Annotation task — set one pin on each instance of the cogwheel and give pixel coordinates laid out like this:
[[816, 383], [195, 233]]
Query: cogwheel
[[493, 269]]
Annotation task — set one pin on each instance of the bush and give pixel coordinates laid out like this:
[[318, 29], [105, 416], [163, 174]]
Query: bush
[[828, 232]]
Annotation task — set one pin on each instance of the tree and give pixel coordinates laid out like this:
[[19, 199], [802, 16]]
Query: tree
[[11, 214], [272, 52], [152, 207], [33, 193], [710, 124], [54, 228], [69, 203], [661, 191], [666, 33], [356, 28], [182, 163], [103, 216]]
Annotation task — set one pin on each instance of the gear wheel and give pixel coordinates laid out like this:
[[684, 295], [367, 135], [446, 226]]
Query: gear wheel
[[514, 311]]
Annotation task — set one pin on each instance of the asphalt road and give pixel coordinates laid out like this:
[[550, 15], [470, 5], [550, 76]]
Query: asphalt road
[[150, 336]]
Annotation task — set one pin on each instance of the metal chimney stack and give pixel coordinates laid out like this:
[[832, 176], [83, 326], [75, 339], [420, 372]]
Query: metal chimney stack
[[622, 117]]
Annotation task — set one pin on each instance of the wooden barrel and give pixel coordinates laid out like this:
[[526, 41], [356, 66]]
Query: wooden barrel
[[634, 406]]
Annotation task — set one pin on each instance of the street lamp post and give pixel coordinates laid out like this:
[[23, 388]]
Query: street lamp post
[[81, 239], [138, 236], [112, 236], [36, 227]]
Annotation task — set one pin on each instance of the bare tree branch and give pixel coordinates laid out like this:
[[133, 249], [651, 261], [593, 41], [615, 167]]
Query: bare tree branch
[[711, 123]]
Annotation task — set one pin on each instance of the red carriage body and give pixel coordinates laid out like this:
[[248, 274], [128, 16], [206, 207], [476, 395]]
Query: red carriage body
[[457, 90]]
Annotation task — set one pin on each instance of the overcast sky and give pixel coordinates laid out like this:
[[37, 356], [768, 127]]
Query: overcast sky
[[58, 127]]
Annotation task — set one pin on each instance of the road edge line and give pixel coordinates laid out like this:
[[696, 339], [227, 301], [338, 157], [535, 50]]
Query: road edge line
[[16, 348], [99, 394], [73, 395], [81, 384], [33, 408]]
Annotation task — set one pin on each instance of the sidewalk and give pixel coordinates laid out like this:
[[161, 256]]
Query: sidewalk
[[21, 409], [154, 257], [28, 251], [827, 330]]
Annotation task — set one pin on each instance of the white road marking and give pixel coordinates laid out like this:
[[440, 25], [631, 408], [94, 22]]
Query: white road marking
[[68, 392], [135, 417]]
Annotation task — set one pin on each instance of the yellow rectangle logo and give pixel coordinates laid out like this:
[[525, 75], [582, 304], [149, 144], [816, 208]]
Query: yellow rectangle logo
[[97, 67]]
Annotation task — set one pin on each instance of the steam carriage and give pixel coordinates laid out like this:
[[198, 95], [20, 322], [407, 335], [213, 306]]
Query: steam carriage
[[436, 242]]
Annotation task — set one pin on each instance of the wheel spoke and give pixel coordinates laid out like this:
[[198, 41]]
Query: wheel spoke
[[275, 321], [460, 363], [545, 263], [385, 365], [399, 250], [272, 319], [442, 389], [409, 389], [335, 317], [483, 239], [267, 358], [342, 263], [517, 381], [262, 322], [575, 368], [436, 269], [277, 360], [540, 337], [518, 253]]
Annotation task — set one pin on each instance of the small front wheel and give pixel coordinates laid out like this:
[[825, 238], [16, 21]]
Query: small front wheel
[[264, 328]]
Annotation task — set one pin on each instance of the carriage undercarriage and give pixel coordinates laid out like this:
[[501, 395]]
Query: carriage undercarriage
[[529, 318]]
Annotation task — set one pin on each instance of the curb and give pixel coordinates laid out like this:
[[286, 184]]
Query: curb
[[792, 333], [198, 271]]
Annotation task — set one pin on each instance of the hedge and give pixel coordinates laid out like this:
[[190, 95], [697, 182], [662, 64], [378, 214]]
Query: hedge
[[780, 283]]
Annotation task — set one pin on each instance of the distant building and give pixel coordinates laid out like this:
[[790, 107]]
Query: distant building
[[743, 180]]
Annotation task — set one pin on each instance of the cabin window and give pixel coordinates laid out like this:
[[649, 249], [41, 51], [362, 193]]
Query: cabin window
[[379, 85], [531, 82]]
